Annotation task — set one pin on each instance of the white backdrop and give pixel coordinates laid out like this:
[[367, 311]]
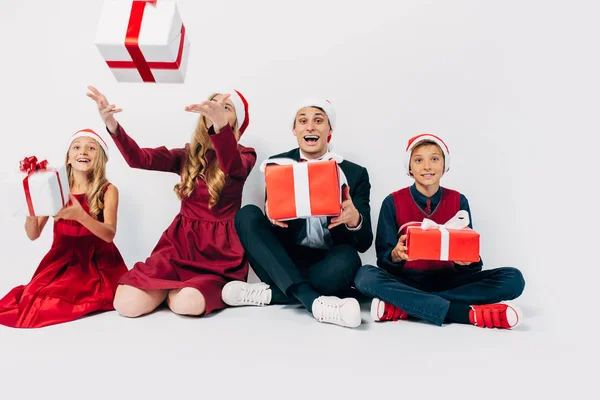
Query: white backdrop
[[511, 86]]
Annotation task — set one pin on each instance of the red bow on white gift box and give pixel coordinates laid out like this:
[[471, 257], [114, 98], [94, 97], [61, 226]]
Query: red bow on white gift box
[[30, 165]]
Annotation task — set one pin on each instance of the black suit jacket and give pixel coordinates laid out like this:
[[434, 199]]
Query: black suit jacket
[[360, 192]]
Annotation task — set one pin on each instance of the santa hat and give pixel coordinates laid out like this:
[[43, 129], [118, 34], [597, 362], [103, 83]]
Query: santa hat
[[91, 134], [414, 141], [241, 109], [325, 105]]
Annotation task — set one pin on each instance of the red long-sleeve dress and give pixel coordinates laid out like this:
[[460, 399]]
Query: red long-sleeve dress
[[200, 249]]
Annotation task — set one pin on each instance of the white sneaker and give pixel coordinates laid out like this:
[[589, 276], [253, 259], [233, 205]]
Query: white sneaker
[[238, 293], [333, 310]]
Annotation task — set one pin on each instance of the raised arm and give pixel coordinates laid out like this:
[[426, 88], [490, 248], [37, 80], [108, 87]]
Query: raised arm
[[235, 161], [157, 159]]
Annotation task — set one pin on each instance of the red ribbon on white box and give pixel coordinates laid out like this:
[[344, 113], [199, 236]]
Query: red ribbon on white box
[[30, 165], [132, 44], [459, 221], [302, 195]]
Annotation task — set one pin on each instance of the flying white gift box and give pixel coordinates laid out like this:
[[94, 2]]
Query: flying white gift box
[[143, 41]]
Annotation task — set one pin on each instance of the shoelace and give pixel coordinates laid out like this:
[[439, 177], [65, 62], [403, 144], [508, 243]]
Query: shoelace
[[330, 312], [254, 295], [392, 313]]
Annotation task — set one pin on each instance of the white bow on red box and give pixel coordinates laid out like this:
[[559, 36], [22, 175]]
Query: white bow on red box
[[451, 241], [304, 189]]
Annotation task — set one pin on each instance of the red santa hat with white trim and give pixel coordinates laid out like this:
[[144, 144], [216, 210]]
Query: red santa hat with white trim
[[241, 109], [323, 104], [414, 141], [91, 134]]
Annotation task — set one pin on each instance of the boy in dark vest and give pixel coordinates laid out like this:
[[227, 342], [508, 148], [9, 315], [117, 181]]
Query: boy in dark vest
[[435, 291]]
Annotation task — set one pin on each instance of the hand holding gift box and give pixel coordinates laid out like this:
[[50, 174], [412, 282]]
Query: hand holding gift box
[[452, 241], [303, 189], [143, 41], [44, 190]]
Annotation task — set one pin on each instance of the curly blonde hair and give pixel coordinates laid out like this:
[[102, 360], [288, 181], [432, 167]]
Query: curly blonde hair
[[196, 164], [97, 180]]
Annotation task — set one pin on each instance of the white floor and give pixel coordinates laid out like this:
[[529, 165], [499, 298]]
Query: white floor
[[280, 352]]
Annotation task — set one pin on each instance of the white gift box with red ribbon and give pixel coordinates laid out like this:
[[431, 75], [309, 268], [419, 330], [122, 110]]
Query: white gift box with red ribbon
[[143, 41], [38, 190]]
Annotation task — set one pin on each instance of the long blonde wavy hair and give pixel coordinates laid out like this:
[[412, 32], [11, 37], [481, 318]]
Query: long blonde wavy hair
[[196, 165], [97, 181]]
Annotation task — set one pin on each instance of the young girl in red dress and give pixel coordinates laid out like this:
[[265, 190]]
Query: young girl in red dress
[[80, 273], [200, 251]]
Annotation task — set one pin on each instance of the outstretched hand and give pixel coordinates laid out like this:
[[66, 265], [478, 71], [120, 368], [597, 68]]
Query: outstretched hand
[[107, 111], [214, 110]]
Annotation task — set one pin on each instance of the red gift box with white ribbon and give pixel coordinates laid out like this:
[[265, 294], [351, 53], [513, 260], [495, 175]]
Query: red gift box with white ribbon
[[143, 41], [303, 189], [452, 241]]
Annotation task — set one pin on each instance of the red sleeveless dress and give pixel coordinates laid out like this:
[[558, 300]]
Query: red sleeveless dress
[[78, 276]]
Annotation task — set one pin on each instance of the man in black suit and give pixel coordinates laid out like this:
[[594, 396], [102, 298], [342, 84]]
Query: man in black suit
[[314, 259]]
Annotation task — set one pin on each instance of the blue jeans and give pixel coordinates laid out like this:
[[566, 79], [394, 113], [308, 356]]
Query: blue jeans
[[427, 295]]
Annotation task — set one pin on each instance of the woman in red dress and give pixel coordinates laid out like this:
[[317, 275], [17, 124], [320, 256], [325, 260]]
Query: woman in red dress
[[200, 251], [80, 273]]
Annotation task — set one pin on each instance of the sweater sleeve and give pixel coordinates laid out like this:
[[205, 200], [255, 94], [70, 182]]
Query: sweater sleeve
[[156, 159], [235, 161], [387, 235]]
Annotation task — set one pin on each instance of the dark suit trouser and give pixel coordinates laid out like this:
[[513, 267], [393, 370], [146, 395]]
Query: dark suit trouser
[[282, 264]]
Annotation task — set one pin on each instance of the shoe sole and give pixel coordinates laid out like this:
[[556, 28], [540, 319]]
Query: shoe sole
[[515, 316], [375, 304]]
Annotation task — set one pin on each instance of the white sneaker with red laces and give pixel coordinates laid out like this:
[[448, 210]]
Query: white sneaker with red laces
[[333, 310]]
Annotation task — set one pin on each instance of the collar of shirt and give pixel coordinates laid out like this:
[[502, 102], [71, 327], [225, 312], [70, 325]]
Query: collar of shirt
[[303, 157], [421, 199]]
